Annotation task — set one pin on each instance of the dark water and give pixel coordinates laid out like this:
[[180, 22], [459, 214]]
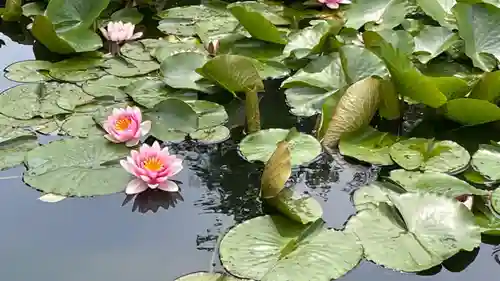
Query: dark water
[[157, 237]]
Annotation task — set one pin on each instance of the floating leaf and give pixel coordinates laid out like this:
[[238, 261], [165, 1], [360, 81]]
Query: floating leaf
[[324, 72], [211, 135], [487, 161], [210, 114], [306, 101], [205, 276], [495, 200], [136, 51], [256, 24], [433, 182], [477, 26], [172, 115], [359, 63], [384, 14], [429, 230], [439, 10], [371, 195], [405, 77], [179, 71], [14, 143], [51, 198], [234, 73], [261, 145], [28, 71], [432, 41], [81, 125], [77, 167], [300, 208], [107, 86], [149, 93], [76, 75], [471, 111], [368, 145], [122, 67], [354, 110], [267, 248], [428, 155], [307, 41]]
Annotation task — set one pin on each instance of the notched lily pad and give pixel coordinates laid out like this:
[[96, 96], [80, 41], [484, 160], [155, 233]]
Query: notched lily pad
[[28, 71]]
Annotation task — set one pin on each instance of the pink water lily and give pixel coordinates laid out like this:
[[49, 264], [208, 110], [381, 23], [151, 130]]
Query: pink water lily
[[125, 125], [152, 166], [120, 32], [334, 4]]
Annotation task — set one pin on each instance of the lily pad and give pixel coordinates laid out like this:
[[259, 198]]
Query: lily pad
[[210, 114], [14, 144], [260, 146], [122, 67], [150, 92], [385, 14], [268, 248], [428, 155], [297, 207], [135, 51], [469, 111], [234, 73], [432, 41], [28, 71], [107, 86], [358, 63], [179, 71], [76, 75], [495, 200], [211, 135], [427, 230], [306, 101], [205, 276], [307, 41], [77, 167], [440, 10], [487, 161], [80, 125], [368, 145], [433, 182], [371, 195]]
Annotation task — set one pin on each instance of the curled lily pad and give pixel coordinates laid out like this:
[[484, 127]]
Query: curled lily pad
[[433, 182], [260, 146], [487, 161], [416, 232], [205, 276], [429, 155], [28, 71], [368, 145], [297, 207], [77, 167], [274, 248]]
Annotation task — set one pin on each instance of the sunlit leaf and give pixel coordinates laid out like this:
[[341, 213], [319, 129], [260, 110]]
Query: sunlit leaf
[[432, 41], [123, 67], [28, 71], [150, 92], [471, 111], [354, 110], [359, 63], [439, 10], [488, 88], [384, 14], [487, 161], [368, 145], [300, 208], [308, 40], [107, 86], [211, 135], [306, 101]]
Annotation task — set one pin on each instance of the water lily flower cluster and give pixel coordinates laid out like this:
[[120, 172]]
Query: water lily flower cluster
[[152, 166], [334, 4], [125, 125], [120, 32]]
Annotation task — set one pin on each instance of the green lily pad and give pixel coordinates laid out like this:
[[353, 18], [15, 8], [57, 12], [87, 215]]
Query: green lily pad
[[324, 72], [440, 10], [358, 63], [427, 230], [489, 223], [307, 41], [271, 69], [469, 111], [77, 167], [163, 52], [488, 88], [14, 144], [107, 86], [135, 51], [123, 67], [433, 182], [28, 71], [477, 27], [210, 114], [306, 101], [234, 73], [432, 41], [297, 207], [211, 135], [274, 248], [368, 145], [81, 125], [385, 14], [127, 14], [428, 155], [76, 75], [371, 195], [149, 92], [495, 200], [487, 161], [205, 276], [170, 118], [179, 71], [260, 146]]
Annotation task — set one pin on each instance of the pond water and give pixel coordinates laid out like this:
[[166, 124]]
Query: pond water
[[157, 236]]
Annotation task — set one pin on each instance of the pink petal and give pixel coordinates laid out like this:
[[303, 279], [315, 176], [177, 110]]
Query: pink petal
[[153, 186], [332, 5], [169, 186], [145, 127], [135, 156], [165, 152], [136, 36], [156, 146], [135, 186], [132, 142], [126, 166]]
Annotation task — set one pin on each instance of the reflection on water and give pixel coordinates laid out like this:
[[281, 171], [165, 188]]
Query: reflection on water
[[159, 236]]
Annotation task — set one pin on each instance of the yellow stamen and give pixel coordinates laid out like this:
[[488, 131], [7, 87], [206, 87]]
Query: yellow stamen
[[152, 164], [123, 123]]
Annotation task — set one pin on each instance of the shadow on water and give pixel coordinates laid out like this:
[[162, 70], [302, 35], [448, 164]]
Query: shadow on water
[[159, 236]]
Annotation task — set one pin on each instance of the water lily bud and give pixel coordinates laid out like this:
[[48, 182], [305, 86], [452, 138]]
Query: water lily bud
[[334, 4], [213, 47], [120, 32]]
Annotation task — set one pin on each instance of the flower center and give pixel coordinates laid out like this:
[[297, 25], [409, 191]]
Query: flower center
[[123, 123], [152, 164]]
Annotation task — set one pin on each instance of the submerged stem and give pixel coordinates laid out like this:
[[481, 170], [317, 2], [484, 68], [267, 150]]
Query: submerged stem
[[252, 111]]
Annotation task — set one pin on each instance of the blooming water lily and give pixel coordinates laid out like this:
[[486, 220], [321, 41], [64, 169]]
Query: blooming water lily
[[334, 4], [125, 125], [120, 32], [152, 166]]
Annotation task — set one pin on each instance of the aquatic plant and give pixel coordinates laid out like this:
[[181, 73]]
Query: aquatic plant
[[125, 125], [120, 32]]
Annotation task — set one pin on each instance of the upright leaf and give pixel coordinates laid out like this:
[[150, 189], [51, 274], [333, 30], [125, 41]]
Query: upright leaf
[[439, 10], [384, 14], [432, 41], [471, 111]]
